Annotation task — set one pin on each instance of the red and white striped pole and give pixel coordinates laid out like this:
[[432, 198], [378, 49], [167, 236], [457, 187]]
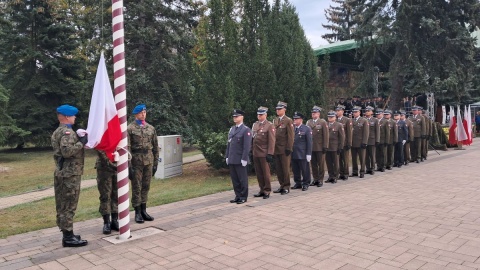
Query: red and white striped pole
[[121, 104]]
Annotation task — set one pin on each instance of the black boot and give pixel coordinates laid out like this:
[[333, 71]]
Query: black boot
[[106, 224], [114, 225], [145, 216], [138, 215], [69, 240]]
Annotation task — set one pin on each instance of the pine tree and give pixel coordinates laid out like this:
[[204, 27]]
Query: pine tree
[[341, 18]]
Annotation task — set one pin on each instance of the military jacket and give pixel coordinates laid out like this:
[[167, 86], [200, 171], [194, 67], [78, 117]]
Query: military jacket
[[283, 134], [68, 152], [410, 129], [393, 131], [384, 130], [402, 131], [347, 128], [319, 134], [104, 163], [419, 128], [336, 136], [428, 125], [360, 131], [239, 144], [374, 134], [143, 144], [263, 139], [302, 145]]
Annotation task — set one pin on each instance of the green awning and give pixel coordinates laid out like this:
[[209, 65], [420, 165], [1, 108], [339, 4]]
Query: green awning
[[339, 46]]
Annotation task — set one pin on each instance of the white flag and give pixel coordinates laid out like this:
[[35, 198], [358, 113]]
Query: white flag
[[461, 134]]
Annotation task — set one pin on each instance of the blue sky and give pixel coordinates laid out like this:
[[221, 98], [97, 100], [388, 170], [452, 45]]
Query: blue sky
[[312, 15]]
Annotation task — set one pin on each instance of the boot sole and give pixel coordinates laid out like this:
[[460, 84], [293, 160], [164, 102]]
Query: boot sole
[[74, 245]]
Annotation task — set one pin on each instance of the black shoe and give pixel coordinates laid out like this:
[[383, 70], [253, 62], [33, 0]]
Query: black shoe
[[371, 172], [417, 161], [354, 174], [106, 224], [421, 159], [314, 183], [345, 178], [320, 184], [389, 168], [69, 240], [296, 187], [278, 190], [266, 196], [304, 188], [334, 181], [399, 166], [144, 213], [342, 177], [235, 200], [241, 201], [362, 175], [285, 191], [259, 194], [328, 180], [114, 224], [138, 214]]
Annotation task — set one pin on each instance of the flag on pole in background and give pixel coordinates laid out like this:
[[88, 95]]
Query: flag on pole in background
[[461, 133], [103, 125], [468, 118]]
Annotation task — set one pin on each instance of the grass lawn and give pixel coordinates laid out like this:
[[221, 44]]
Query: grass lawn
[[32, 169], [198, 180]]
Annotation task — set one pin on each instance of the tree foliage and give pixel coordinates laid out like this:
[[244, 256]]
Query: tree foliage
[[341, 21]]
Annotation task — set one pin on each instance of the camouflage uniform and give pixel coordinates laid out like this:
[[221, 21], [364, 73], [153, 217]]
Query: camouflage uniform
[[107, 184], [143, 145], [68, 154]]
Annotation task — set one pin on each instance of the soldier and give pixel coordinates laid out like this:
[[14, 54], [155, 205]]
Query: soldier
[[107, 187], [428, 134], [320, 144], [302, 153], [238, 147], [263, 149], [410, 138], [381, 149], [392, 139], [336, 140], [373, 139], [143, 145], [68, 153], [283, 147], [401, 139], [345, 154], [419, 133], [359, 141]]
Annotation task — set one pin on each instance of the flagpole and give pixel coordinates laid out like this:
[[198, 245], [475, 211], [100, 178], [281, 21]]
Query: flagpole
[[120, 101]]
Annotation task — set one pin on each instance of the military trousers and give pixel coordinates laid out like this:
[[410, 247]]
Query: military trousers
[[358, 155], [380, 155], [282, 168], [301, 172], [239, 176], [332, 164], [318, 165], [406, 152], [67, 192], [262, 170], [107, 187], [370, 158], [344, 162], [398, 154], [424, 148], [141, 184], [390, 153], [415, 149]]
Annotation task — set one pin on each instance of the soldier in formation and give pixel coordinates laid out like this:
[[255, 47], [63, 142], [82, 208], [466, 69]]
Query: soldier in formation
[[320, 145], [302, 153], [107, 187], [336, 141], [283, 147]]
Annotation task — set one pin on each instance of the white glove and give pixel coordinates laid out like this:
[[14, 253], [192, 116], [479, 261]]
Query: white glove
[[244, 163], [403, 142], [226, 160], [309, 157], [81, 132]]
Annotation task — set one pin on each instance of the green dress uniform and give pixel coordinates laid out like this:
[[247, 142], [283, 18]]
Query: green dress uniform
[[359, 144], [263, 147], [373, 141], [283, 148], [391, 142], [107, 187], [428, 134], [344, 157], [319, 146], [336, 139], [419, 131], [382, 147]]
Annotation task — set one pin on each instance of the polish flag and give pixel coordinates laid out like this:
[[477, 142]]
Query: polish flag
[[468, 117], [461, 133], [103, 125]]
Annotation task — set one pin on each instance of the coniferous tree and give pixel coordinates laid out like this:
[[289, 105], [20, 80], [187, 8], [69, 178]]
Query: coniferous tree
[[341, 20]]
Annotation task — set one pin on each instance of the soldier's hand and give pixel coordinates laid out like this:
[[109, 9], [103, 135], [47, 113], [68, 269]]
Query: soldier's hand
[[269, 158], [347, 147], [244, 163], [131, 173], [154, 170], [364, 146], [325, 149], [287, 152], [403, 142], [339, 151], [309, 158], [83, 139], [226, 160]]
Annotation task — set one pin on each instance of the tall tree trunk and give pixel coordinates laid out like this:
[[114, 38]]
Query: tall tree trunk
[[396, 75]]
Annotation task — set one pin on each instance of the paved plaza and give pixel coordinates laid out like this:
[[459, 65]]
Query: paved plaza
[[422, 216]]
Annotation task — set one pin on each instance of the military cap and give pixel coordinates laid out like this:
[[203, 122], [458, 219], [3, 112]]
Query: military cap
[[237, 112], [378, 111], [67, 110], [331, 114], [402, 112], [298, 115], [415, 108], [340, 107], [262, 110], [281, 105], [316, 109], [356, 109], [388, 112], [397, 113], [139, 108], [369, 108]]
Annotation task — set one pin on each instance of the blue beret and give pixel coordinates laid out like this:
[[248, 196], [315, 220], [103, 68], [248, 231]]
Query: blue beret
[[139, 108], [67, 110]]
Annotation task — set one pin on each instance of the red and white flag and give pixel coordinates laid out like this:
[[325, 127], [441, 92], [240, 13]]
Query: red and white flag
[[103, 125], [461, 133], [468, 117]]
